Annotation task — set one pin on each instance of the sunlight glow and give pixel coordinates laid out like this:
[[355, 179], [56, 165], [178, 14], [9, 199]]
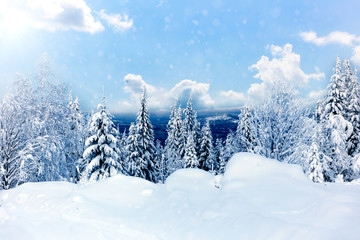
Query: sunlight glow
[[13, 20]]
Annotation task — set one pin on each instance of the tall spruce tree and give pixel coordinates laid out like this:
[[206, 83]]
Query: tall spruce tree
[[333, 104], [74, 144], [217, 154], [245, 139], [101, 152], [188, 128], [174, 142], [353, 109], [317, 168], [207, 160], [190, 157], [160, 162], [133, 162], [146, 141], [337, 128]]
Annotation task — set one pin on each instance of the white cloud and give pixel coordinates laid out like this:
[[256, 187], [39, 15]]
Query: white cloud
[[134, 84], [232, 98], [118, 22], [316, 95], [284, 67], [163, 98], [336, 37], [356, 55], [50, 15], [343, 38], [198, 91]]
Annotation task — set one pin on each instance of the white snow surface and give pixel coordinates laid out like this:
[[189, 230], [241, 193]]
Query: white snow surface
[[259, 198]]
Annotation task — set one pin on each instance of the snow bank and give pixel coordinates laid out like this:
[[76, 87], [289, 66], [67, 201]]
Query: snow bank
[[259, 198]]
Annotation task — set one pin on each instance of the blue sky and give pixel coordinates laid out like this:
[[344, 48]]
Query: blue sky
[[224, 53]]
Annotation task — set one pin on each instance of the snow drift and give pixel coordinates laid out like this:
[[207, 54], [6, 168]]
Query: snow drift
[[257, 198]]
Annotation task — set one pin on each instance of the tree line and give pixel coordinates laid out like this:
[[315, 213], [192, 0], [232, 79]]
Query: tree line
[[45, 137]]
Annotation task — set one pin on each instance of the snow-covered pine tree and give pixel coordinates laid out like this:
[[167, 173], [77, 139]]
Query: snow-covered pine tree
[[190, 158], [160, 162], [197, 135], [134, 163], [146, 141], [189, 117], [353, 109], [333, 103], [123, 150], [244, 137], [75, 139], [217, 151], [101, 152], [207, 159], [174, 141], [228, 150], [337, 129], [188, 125], [223, 156], [317, 168]]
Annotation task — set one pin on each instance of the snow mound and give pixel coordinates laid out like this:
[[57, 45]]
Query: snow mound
[[190, 180], [259, 198], [248, 169]]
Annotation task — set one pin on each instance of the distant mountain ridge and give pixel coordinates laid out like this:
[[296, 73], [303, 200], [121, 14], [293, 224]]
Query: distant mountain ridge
[[221, 122]]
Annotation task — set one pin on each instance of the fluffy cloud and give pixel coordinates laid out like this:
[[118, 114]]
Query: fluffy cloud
[[198, 91], [356, 55], [232, 98], [343, 38], [118, 22], [316, 95], [336, 37], [134, 84], [59, 15], [50, 15], [284, 67], [161, 98]]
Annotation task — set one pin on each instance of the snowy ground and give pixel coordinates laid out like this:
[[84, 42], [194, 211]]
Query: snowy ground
[[259, 198]]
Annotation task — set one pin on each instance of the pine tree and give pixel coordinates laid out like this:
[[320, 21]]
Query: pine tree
[[188, 128], [190, 158], [333, 104], [146, 141], [174, 142], [101, 152], [353, 109], [315, 164], [244, 138], [197, 135], [223, 157], [338, 129], [123, 151], [206, 160], [160, 163], [134, 163], [316, 160], [217, 152], [74, 144], [228, 150]]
